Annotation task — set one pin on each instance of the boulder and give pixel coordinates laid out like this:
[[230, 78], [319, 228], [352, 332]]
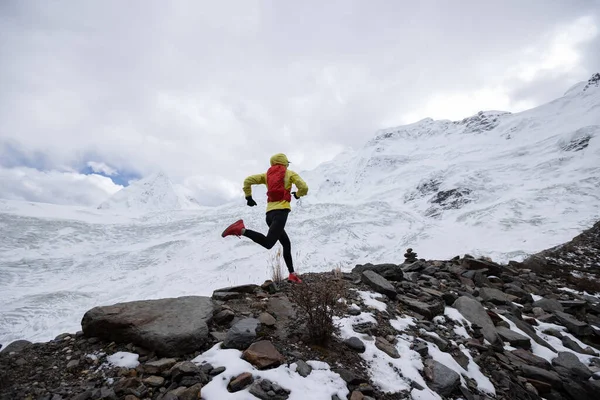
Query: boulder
[[241, 334], [474, 312], [574, 326], [515, 339], [378, 283], [441, 379], [171, 326], [263, 355], [16, 346], [567, 364], [226, 296], [391, 272], [267, 319]]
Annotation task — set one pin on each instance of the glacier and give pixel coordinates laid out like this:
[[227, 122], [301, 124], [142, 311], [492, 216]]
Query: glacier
[[496, 184]]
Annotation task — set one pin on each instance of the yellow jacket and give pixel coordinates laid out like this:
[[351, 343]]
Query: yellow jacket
[[290, 178]]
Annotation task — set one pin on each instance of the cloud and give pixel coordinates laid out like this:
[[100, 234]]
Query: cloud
[[207, 91], [102, 168], [55, 187]]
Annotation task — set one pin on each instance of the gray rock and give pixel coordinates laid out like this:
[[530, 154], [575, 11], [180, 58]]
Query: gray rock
[[154, 381], [391, 272], [441, 379], [574, 326], [572, 345], [491, 267], [184, 368], [474, 312], [224, 317], [449, 298], [355, 344], [171, 326], [158, 366], [494, 296], [191, 393], [242, 334], [303, 368], [568, 363], [73, 364], [350, 377], [263, 390], [379, 283], [543, 375], [428, 310], [16, 346], [548, 305], [386, 347], [515, 339], [528, 329], [531, 358], [217, 371], [267, 319], [239, 289], [225, 296]]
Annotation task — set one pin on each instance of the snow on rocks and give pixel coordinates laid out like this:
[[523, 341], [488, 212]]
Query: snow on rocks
[[480, 341]]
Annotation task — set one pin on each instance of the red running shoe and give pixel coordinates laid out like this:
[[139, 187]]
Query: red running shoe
[[234, 229], [294, 278]]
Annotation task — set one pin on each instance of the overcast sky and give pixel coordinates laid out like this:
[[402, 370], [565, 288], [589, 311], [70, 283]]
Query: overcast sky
[[207, 91]]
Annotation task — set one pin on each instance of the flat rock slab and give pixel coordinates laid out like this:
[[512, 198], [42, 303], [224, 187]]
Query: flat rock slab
[[16, 346], [428, 310], [515, 339], [239, 289], [543, 375], [378, 283], [567, 364], [548, 305], [495, 296], [532, 359], [573, 325], [386, 347], [225, 296], [171, 326], [474, 312], [492, 268]]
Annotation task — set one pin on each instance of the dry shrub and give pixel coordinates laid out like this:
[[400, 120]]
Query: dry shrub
[[276, 266], [319, 302]]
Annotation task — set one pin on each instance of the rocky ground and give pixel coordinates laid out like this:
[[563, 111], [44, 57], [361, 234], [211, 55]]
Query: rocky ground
[[425, 329]]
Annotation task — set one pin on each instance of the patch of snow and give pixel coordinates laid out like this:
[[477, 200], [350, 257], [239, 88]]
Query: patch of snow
[[124, 359], [402, 323], [387, 373], [322, 383], [473, 371], [536, 297], [370, 300]]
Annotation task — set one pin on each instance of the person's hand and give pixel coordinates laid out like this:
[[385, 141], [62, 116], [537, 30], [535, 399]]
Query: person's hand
[[295, 196], [250, 201]]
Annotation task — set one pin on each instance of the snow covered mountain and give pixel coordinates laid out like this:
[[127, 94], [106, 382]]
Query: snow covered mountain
[[154, 193], [496, 184]]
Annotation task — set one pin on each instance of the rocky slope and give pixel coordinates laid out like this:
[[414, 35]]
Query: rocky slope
[[425, 329]]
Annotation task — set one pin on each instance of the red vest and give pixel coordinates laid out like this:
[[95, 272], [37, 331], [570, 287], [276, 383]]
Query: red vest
[[276, 190]]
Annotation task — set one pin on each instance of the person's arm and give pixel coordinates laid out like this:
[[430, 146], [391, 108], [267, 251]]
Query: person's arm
[[300, 184], [258, 179]]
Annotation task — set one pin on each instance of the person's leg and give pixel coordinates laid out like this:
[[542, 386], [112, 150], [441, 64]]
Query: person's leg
[[287, 251], [276, 220]]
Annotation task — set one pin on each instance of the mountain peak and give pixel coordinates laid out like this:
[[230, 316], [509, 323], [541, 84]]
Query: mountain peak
[[156, 192]]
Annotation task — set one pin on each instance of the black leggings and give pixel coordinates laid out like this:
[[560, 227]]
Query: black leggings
[[276, 220]]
